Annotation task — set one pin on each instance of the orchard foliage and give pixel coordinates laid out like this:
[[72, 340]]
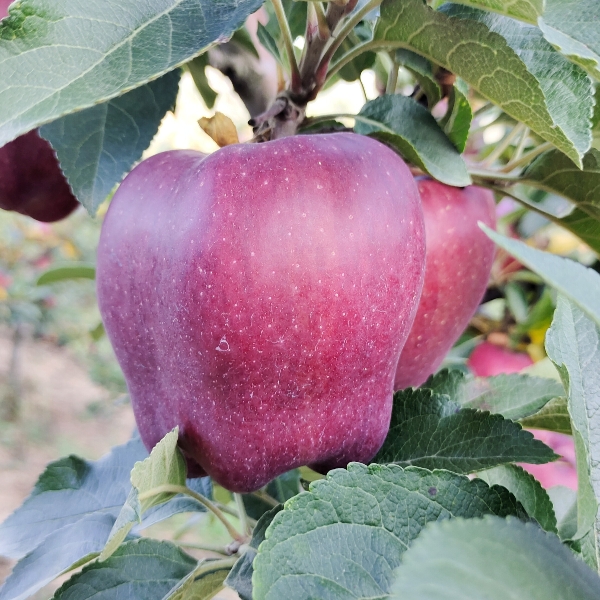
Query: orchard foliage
[[443, 511]]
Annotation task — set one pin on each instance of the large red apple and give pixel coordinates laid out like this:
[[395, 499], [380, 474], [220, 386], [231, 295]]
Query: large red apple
[[259, 299], [31, 181], [458, 263]]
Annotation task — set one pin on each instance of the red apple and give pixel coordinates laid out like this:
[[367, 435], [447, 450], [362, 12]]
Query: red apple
[[31, 181], [259, 299], [458, 262], [488, 360]]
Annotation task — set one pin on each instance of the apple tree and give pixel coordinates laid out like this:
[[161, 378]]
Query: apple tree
[[293, 314]]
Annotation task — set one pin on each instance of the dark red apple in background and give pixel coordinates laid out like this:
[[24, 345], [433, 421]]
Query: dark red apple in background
[[259, 299], [489, 359], [458, 263], [31, 181]]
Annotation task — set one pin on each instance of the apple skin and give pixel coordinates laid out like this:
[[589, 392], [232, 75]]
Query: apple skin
[[459, 259], [488, 360], [259, 300], [31, 181]]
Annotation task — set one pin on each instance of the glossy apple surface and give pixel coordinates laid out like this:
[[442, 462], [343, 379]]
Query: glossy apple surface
[[259, 300], [488, 360], [31, 181], [458, 261]]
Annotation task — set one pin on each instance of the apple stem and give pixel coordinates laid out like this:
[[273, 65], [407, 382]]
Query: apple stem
[[315, 44], [208, 547], [239, 502], [280, 120], [392, 81], [325, 32], [182, 489], [520, 146], [527, 157], [262, 495], [508, 139], [524, 202]]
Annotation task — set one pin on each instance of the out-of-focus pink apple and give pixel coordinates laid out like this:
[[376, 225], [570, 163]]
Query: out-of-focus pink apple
[[458, 262], [4, 4], [488, 360], [562, 471], [259, 299], [31, 181]]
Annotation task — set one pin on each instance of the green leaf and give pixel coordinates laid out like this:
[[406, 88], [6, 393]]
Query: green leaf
[[576, 282], [240, 576], [365, 60], [422, 71], [179, 504], [567, 89], [97, 332], [197, 68], [554, 172], [527, 490], [457, 120], [470, 50], [242, 38], [583, 226], [67, 272], [493, 559], [282, 488], [572, 26], [596, 121], [514, 396], [573, 345], [143, 569], [564, 500], [539, 315], [266, 39], [450, 382], [525, 10], [74, 544], [553, 417], [164, 466], [206, 580], [99, 145], [103, 50], [69, 490], [429, 430], [409, 128], [345, 537]]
